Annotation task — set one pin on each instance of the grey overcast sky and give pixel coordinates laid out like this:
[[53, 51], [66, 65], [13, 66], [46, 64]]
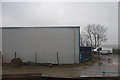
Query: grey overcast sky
[[63, 13]]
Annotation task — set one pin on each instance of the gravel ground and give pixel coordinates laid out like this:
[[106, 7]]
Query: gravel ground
[[83, 71]]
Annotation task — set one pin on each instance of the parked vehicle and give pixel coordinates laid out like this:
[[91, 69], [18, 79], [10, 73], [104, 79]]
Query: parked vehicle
[[104, 50]]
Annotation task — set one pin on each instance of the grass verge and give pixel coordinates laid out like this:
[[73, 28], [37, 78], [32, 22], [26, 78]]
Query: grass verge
[[87, 63]]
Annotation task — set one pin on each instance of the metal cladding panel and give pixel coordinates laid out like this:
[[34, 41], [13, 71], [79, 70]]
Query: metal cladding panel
[[46, 42], [76, 45], [0, 53], [0, 40]]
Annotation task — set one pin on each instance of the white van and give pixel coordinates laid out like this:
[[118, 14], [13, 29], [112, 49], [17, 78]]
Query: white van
[[104, 50]]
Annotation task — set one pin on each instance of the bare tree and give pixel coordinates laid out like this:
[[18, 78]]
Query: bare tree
[[94, 35], [84, 39]]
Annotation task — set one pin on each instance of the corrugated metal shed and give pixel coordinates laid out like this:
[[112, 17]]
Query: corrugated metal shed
[[47, 44]]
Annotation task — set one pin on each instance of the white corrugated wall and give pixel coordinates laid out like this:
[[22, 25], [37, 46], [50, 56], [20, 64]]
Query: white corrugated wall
[[46, 42], [0, 53]]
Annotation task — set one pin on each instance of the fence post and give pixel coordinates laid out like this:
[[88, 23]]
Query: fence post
[[57, 58], [35, 57], [15, 54]]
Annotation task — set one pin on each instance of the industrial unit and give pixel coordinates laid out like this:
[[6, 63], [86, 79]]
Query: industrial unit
[[56, 45]]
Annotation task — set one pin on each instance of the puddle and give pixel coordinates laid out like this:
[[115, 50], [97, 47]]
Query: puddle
[[83, 76], [115, 63]]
